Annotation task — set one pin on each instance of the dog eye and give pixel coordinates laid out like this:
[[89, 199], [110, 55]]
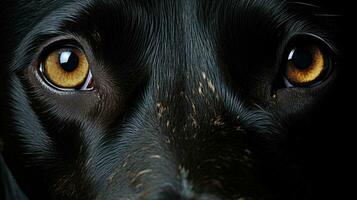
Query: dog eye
[[67, 68], [307, 65]]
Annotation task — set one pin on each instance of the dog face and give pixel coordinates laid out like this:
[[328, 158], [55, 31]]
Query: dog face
[[186, 99]]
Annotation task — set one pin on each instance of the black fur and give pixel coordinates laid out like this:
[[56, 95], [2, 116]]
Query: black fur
[[188, 101]]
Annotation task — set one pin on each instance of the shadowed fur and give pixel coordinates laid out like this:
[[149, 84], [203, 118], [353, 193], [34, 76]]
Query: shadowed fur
[[189, 100]]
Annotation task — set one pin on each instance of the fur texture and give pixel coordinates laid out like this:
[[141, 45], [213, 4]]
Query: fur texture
[[188, 101]]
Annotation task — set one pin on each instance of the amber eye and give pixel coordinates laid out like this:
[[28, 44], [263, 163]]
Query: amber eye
[[306, 65], [67, 68]]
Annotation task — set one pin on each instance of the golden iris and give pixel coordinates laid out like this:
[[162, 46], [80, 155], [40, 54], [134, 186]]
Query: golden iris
[[66, 68], [305, 65]]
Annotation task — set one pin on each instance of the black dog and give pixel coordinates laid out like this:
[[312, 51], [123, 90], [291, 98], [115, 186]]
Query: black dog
[[169, 99]]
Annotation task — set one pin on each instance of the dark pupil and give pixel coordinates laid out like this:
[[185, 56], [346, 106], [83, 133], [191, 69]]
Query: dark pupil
[[68, 61], [302, 58]]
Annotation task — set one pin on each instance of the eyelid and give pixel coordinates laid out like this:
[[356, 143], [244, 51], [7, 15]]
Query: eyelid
[[59, 44], [84, 87], [326, 44]]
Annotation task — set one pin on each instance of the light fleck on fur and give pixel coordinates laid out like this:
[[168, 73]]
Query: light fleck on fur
[[211, 86], [218, 121], [124, 164], [161, 109], [155, 156], [200, 89], [111, 177], [193, 108], [204, 75], [194, 121], [139, 174]]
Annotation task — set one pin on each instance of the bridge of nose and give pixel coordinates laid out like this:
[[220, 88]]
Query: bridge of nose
[[173, 138], [186, 78]]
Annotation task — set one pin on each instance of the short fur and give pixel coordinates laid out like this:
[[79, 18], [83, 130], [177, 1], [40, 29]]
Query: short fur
[[188, 102]]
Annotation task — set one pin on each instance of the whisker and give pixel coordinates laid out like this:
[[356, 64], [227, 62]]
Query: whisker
[[327, 15], [304, 4]]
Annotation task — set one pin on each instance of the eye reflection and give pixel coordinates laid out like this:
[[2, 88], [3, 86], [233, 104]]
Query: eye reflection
[[67, 69], [306, 65]]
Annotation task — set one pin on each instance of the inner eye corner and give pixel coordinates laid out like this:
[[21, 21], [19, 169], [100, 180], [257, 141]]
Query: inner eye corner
[[64, 66]]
